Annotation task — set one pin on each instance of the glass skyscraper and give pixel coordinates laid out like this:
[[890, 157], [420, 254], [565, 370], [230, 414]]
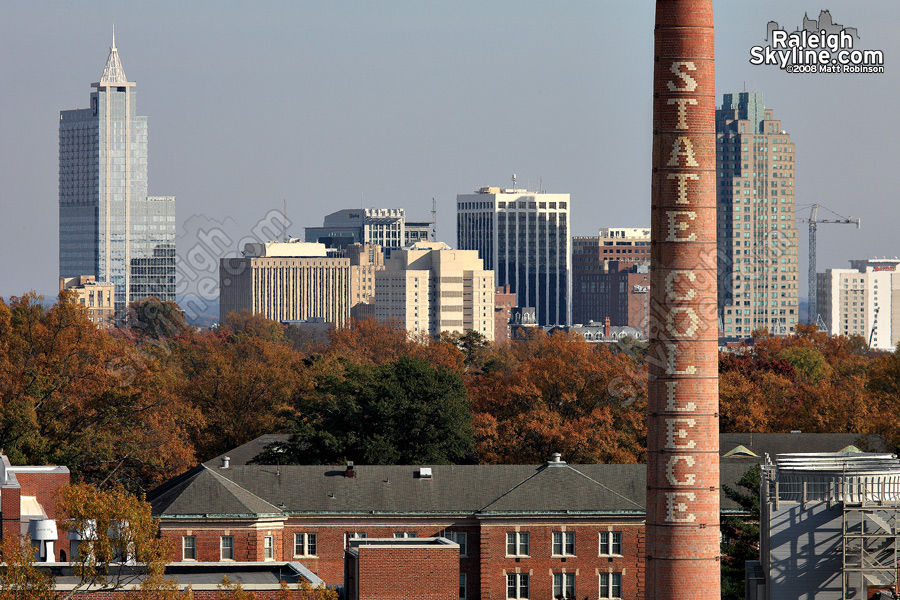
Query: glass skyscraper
[[108, 226]]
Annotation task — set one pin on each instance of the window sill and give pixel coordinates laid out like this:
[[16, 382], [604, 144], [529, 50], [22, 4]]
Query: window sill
[[305, 556], [518, 556], [563, 556]]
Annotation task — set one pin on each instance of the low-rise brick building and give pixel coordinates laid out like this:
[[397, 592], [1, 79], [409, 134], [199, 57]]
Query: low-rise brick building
[[523, 531], [532, 529]]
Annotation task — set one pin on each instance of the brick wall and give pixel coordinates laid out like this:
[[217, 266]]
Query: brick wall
[[540, 563], [429, 573], [485, 562], [44, 486]]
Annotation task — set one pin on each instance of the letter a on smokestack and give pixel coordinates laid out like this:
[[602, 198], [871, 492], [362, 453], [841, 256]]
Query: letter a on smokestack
[[682, 413]]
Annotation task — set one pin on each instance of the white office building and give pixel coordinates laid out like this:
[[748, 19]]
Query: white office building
[[524, 237], [863, 300]]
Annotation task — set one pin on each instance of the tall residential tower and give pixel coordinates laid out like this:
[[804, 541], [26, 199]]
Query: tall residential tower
[[109, 228], [524, 238], [757, 259]]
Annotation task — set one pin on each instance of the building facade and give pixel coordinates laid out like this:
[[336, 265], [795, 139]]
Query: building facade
[[97, 297], [610, 277], [524, 238], [828, 527], [385, 227], [431, 288], [757, 234], [286, 281], [504, 303], [863, 300], [365, 261], [109, 227]]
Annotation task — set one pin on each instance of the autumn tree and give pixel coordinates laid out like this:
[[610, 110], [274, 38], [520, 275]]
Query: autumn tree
[[240, 383], [401, 412], [369, 341], [558, 393], [72, 394], [155, 318], [119, 547]]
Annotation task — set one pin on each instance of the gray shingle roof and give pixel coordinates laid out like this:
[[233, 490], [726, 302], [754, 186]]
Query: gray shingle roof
[[202, 491], [453, 489]]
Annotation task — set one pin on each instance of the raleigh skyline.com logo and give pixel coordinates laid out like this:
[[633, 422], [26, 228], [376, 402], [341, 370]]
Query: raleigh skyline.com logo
[[821, 46]]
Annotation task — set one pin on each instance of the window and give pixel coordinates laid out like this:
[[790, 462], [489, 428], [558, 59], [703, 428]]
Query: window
[[563, 543], [404, 534], [610, 585], [462, 586], [611, 541], [226, 547], [564, 585], [269, 547], [358, 535], [305, 544], [517, 543], [189, 547], [517, 585], [460, 538]]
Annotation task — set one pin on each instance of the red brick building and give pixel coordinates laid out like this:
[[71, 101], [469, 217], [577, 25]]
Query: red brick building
[[28, 505], [523, 531], [402, 569], [610, 278], [504, 303], [535, 531]]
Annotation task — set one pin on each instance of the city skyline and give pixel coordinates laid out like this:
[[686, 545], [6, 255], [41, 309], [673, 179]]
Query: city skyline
[[393, 107]]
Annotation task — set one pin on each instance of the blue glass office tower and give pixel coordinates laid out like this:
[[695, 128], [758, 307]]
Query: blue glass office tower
[[108, 226]]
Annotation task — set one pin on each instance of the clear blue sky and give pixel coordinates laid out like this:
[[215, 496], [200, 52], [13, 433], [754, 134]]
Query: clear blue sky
[[324, 103]]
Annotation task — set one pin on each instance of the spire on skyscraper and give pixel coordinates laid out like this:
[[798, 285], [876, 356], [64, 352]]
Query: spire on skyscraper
[[113, 72]]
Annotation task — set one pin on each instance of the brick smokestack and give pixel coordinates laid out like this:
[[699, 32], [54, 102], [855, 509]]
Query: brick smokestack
[[683, 426]]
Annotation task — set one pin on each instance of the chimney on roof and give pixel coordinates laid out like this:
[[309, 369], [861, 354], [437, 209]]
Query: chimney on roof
[[607, 330], [349, 472], [226, 462]]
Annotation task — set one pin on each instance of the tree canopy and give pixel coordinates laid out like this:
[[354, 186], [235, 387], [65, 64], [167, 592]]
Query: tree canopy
[[401, 412]]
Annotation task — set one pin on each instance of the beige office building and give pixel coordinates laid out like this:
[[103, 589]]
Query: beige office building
[[365, 261], [863, 300], [286, 281], [98, 297], [756, 231], [431, 288]]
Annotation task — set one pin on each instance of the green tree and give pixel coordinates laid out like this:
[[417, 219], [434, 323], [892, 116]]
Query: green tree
[[401, 412], [154, 318], [741, 534]]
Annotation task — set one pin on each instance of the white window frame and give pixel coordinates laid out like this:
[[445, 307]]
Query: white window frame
[[184, 547], [520, 541], [307, 543], [269, 547], [563, 543], [610, 541], [459, 537], [564, 581], [405, 534], [611, 578], [223, 547], [520, 591]]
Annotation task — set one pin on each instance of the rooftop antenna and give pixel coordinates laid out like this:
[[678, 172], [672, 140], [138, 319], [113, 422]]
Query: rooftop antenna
[[433, 219], [541, 184], [514, 180], [362, 200]]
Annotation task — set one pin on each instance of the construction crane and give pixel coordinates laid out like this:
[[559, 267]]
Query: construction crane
[[813, 221], [874, 325]]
